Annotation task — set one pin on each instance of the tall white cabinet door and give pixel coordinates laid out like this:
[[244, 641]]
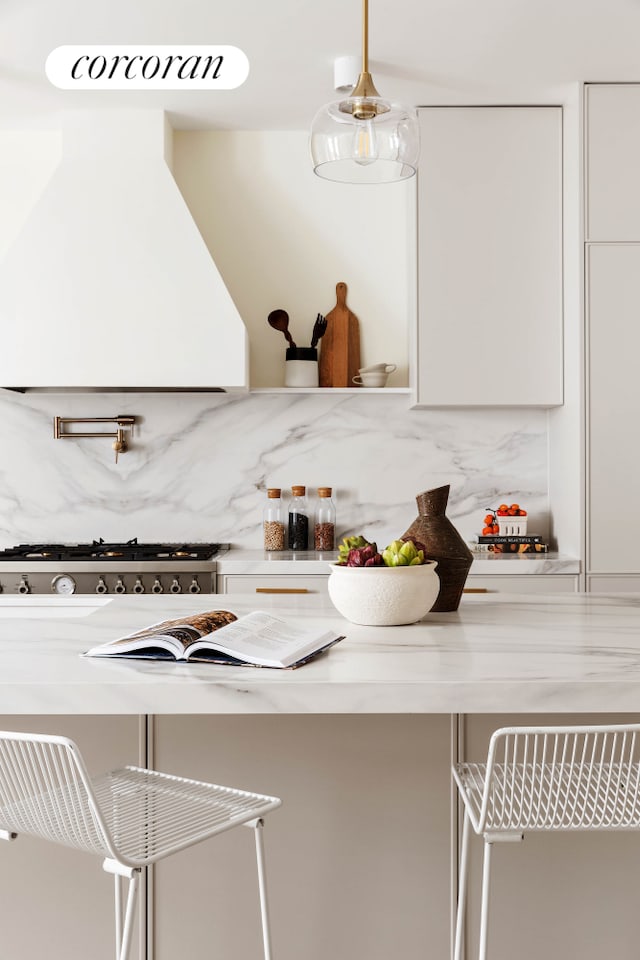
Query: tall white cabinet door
[[613, 407], [612, 161], [490, 257]]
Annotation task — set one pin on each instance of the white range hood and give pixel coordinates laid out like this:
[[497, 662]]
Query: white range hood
[[109, 285]]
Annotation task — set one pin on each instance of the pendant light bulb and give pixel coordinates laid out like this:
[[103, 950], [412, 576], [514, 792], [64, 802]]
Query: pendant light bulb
[[364, 138], [365, 145]]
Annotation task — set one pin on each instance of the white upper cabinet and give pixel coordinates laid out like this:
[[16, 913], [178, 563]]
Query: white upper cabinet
[[490, 257], [612, 161]]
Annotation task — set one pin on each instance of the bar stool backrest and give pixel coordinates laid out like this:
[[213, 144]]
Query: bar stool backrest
[[562, 778], [45, 791]]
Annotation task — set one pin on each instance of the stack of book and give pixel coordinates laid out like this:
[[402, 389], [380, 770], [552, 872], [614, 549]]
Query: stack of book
[[513, 544]]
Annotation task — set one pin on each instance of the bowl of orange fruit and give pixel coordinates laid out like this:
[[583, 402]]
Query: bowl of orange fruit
[[506, 521]]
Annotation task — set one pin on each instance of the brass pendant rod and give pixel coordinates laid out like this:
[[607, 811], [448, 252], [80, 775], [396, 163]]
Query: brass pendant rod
[[365, 36], [364, 91]]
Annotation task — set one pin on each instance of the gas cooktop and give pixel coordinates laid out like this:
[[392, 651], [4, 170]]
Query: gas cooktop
[[102, 567], [101, 550]]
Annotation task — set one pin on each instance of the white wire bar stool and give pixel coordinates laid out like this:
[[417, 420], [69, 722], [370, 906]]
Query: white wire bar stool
[[551, 779], [132, 817]]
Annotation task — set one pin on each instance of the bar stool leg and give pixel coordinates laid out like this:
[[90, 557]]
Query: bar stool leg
[[129, 916], [486, 890], [118, 902], [262, 885], [124, 917], [462, 888]]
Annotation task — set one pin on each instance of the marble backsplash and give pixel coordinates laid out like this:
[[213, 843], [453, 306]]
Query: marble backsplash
[[199, 464]]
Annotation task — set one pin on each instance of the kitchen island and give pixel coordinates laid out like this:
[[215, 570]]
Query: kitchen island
[[359, 743], [497, 653]]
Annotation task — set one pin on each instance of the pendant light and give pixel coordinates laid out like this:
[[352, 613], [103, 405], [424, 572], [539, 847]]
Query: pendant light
[[365, 139]]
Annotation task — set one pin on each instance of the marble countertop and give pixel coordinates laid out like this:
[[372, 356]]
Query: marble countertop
[[497, 654], [240, 561]]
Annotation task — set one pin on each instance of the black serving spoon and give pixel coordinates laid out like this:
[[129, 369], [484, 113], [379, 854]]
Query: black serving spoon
[[279, 320]]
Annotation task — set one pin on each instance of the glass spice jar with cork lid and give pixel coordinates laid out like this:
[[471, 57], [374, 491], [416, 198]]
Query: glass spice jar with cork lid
[[324, 530], [298, 519], [273, 525]]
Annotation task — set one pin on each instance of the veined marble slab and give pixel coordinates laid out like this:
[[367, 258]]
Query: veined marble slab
[[498, 654], [198, 465]]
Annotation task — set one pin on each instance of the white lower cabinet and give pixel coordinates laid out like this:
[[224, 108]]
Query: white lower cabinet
[[613, 584], [298, 583], [358, 856], [531, 583], [58, 902], [556, 895], [288, 583]]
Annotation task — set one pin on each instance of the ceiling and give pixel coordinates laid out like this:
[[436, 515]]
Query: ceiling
[[421, 52]]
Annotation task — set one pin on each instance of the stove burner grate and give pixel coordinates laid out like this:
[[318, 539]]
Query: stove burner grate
[[101, 550]]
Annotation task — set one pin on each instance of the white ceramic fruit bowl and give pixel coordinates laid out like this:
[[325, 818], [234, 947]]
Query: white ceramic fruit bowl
[[384, 596]]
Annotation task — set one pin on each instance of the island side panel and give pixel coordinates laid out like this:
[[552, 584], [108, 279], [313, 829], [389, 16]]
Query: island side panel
[[358, 856]]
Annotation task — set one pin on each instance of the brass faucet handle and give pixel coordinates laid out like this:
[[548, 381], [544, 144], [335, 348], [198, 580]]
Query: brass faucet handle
[[125, 421], [119, 444]]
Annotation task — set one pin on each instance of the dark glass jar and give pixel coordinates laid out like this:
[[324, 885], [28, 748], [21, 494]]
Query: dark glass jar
[[298, 520]]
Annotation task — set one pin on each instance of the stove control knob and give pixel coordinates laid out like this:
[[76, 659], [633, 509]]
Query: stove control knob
[[175, 586], [157, 586], [194, 586], [63, 584], [24, 586], [101, 586], [120, 587], [138, 586]]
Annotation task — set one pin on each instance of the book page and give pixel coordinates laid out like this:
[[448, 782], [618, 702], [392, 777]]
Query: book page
[[265, 640]]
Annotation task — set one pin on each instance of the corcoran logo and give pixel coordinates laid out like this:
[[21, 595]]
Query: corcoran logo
[[95, 67]]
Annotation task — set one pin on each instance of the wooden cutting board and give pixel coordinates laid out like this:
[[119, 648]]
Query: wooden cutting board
[[340, 346]]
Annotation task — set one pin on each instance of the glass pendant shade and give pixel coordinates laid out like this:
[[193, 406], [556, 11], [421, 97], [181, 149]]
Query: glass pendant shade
[[365, 141]]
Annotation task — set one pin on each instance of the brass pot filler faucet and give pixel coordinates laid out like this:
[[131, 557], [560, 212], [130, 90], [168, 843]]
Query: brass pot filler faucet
[[119, 437]]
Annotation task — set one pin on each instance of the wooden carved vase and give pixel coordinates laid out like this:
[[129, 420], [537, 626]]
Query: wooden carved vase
[[444, 544]]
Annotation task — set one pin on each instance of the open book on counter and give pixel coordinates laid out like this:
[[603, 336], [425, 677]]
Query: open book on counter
[[257, 639]]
